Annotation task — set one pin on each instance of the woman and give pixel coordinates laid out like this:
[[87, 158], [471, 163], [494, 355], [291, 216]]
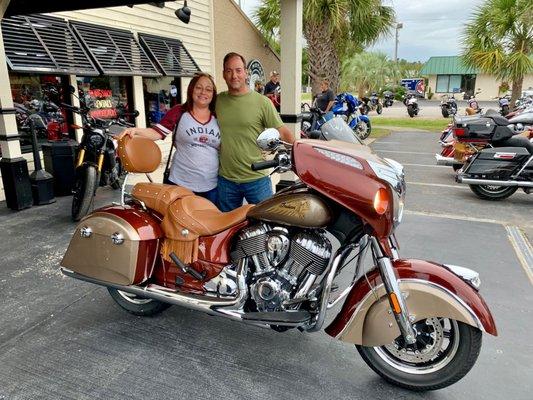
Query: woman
[[196, 138]]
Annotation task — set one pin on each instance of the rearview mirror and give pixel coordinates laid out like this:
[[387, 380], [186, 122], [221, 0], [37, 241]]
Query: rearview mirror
[[269, 139]]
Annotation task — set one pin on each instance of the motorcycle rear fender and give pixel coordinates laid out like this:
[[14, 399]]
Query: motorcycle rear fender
[[431, 290]]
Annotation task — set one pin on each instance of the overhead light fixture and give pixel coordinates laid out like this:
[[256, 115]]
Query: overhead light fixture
[[184, 13]]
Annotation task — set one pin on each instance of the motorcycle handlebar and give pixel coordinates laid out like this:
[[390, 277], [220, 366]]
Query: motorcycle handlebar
[[265, 164]]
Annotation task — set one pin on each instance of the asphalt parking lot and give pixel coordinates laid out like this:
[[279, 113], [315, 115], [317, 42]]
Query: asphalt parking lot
[[66, 339]]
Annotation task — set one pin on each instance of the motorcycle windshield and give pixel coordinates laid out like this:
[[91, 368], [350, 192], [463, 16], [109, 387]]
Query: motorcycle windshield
[[337, 129]]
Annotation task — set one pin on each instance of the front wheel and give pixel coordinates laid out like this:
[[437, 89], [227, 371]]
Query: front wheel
[[137, 305], [444, 352], [379, 109], [362, 130], [445, 112], [490, 192], [83, 192]]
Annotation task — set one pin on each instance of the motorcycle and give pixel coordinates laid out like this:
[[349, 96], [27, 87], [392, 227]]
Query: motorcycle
[[370, 104], [275, 98], [411, 102], [388, 98], [472, 107], [496, 173], [418, 324], [448, 105], [346, 105], [97, 160], [447, 154], [504, 103]]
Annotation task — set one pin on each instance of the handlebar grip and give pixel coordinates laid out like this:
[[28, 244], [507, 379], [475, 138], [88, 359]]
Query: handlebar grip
[[264, 164]]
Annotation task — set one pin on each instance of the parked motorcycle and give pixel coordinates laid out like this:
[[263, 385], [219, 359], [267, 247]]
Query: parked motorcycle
[[418, 324], [370, 104], [411, 102], [504, 104], [346, 105], [448, 105], [472, 107], [447, 154], [388, 98], [496, 173], [97, 160]]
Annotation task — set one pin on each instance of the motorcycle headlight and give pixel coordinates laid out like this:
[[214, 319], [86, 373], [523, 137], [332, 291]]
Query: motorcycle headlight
[[392, 172]]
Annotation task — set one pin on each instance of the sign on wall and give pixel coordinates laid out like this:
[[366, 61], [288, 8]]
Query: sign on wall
[[256, 72], [415, 84]]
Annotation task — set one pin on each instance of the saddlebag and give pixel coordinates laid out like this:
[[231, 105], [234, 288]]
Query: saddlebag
[[116, 245], [497, 163]]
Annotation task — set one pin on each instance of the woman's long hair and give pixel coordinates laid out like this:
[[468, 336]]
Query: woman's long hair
[[189, 102]]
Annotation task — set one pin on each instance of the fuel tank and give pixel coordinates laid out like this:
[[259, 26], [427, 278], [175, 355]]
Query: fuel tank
[[296, 208]]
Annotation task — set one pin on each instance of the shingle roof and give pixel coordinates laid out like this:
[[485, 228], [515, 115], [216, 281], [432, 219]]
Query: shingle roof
[[446, 65]]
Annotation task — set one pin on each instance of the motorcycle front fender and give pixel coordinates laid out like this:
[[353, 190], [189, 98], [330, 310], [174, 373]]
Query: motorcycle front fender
[[431, 290], [364, 118]]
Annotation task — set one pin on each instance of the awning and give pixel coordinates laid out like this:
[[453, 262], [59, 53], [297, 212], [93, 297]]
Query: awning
[[115, 51], [38, 43], [170, 55]]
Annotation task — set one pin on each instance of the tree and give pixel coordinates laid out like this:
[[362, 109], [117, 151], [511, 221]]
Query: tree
[[499, 41], [368, 71], [332, 28]]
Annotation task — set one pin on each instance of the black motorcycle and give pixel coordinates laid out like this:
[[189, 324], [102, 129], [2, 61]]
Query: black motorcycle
[[388, 98], [97, 160], [496, 173], [448, 105], [411, 102], [370, 104]]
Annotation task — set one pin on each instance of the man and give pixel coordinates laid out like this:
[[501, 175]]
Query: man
[[242, 115], [273, 85], [324, 100]]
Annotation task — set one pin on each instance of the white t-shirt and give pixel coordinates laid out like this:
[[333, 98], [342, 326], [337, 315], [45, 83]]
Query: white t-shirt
[[195, 161]]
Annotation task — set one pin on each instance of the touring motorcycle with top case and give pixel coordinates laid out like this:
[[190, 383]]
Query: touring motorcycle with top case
[[416, 323]]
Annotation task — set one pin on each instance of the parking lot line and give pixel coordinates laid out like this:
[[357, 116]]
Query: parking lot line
[[457, 217], [402, 152], [437, 185], [426, 165], [522, 248]]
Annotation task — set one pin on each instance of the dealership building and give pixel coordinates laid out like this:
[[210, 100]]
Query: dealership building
[[138, 57]]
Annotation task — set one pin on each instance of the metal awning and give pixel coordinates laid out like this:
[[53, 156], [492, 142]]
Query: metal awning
[[170, 55], [115, 51], [38, 43]]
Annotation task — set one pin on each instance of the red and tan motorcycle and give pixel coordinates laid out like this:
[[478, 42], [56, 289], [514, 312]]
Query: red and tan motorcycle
[[416, 323]]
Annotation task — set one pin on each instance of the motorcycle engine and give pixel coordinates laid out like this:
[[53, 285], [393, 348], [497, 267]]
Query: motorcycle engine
[[284, 265]]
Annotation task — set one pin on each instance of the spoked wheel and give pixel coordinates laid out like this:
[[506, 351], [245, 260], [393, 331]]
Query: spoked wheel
[[490, 192], [83, 192], [444, 352], [362, 130], [137, 305]]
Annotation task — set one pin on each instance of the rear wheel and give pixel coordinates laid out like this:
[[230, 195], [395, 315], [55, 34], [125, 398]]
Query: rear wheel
[[444, 352], [445, 112], [490, 192], [137, 305], [83, 192], [379, 109], [411, 111], [505, 110]]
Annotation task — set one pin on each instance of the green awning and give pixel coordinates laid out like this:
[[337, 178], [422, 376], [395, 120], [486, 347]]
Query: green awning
[[447, 65]]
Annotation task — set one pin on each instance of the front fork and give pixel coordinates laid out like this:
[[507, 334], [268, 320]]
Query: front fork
[[396, 299]]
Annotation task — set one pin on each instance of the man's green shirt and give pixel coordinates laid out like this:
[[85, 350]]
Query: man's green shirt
[[241, 119]]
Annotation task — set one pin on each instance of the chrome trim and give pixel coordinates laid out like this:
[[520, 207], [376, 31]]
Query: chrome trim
[[469, 275], [488, 182], [524, 166], [86, 231], [117, 238], [341, 254], [391, 284], [123, 190], [448, 161]]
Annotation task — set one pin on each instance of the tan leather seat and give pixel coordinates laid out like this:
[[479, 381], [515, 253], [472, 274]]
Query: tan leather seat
[[158, 196], [139, 154], [200, 217]]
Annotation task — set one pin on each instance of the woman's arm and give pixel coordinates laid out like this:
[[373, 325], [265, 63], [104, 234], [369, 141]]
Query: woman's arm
[[149, 133]]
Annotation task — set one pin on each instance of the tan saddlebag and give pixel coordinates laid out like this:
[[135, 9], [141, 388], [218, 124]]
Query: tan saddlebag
[[115, 245]]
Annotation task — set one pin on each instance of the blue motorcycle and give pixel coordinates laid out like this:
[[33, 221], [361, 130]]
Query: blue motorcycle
[[346, 105]]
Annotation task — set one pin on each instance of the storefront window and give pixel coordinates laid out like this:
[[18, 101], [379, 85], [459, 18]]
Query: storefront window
[[41, 95], [449, 83], [105, 96], [160, 94]]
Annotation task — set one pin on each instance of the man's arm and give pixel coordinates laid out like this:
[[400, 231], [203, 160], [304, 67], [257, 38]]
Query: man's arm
[[285, 134], [331, 98]]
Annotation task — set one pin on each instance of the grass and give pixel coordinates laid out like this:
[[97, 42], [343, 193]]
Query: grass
[[379, 132], [427, 124], [306, 97]]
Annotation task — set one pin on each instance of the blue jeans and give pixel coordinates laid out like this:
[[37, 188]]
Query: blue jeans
[[231, 194], [211, 195]]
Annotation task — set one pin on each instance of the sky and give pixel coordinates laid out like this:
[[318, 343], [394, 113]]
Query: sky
[[430, 27]]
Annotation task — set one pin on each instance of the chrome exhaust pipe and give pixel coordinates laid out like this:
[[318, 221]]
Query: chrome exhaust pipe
[[470, 181], [441, 160]]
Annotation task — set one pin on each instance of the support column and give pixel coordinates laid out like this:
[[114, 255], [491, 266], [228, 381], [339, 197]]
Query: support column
[[138, 101], [75, 101], [291, 71], [13, 166]]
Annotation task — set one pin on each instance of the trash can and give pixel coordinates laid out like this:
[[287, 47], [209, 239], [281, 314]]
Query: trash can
[[59, 158]]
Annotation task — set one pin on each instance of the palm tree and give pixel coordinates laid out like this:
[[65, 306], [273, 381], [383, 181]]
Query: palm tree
[[499, 41], [332, 28], [367, 71]]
